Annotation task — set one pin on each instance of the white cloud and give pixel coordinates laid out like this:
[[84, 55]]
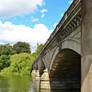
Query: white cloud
[[10, 8], [34, 19], [42, 15], [43, 11], [70, 1], [11, 33]]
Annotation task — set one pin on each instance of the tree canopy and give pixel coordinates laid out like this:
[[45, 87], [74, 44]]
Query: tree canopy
[[39, 48], [37, 51], [4, 61], [20, 64], [21, 47], [6, 50], [17, 59]]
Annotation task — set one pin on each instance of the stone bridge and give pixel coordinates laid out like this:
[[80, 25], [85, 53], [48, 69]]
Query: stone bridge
[[65, 62]]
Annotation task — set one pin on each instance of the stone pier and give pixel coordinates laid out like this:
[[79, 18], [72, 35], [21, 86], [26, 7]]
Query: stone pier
[[36, 80], [45, 81], [86, 85], [42, 82]]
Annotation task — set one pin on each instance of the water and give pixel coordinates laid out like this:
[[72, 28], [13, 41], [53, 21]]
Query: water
[[15, 84], [22, 84]]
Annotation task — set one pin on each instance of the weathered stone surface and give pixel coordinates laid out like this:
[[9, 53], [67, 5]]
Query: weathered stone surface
[[86, 46], [45, 81]]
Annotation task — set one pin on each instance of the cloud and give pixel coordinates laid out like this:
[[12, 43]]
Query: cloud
[[70, 1], [43, 11], [9, 8], [11, 33], [34, 19], [42, 15]]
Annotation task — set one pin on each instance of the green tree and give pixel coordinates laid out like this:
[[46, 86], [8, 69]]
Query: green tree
[[39, 48], [4, 61], [37, 51], [6, 50], [20, 64], [22, 47]]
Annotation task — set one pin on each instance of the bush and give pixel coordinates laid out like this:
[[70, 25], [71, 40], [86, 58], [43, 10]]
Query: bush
[[6, 50], [20, 64], [4, 61]]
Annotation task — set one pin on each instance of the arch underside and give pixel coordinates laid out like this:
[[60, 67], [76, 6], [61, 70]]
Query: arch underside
[[42, 68], [66, 70]]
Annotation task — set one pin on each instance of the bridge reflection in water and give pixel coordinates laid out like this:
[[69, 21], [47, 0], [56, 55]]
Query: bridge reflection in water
[[44, 90], [34, 89], [59, 91]]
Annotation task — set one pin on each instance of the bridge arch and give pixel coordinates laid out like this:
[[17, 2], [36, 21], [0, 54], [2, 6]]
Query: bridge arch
[[73, 44], [66, 69]]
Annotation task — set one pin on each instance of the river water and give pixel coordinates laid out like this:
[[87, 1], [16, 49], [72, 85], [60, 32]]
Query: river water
[[22, 84]]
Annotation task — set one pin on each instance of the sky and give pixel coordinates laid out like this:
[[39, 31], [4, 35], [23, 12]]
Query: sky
[[30, 21]]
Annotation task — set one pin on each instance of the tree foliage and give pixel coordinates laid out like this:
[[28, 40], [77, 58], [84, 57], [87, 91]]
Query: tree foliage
[[4, 61], [20, 64], [17, 59], [37, 51], [6, 50], [22, 47], [39, 48]]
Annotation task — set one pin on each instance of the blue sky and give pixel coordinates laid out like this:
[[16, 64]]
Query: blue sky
[[30, 20]]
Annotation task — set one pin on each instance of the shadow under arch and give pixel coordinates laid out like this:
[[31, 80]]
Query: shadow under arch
[[42, 68], [65, 72]]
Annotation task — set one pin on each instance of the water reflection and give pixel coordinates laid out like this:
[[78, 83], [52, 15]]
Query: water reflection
[[43, 90], [36, 86], [76, 90], [23, 84], [15, 84]]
